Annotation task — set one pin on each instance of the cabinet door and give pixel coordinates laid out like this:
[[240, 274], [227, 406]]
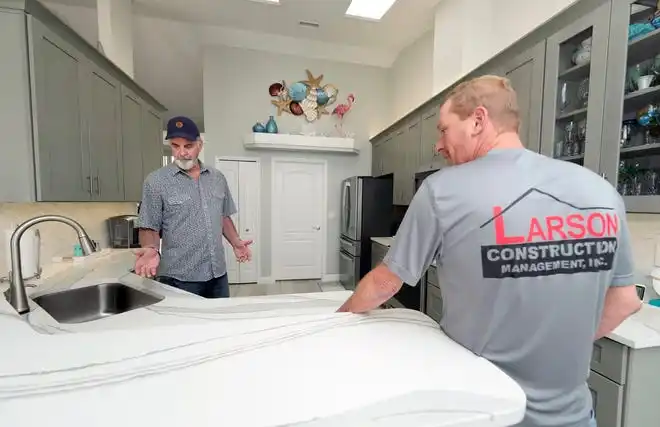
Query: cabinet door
[[630, 157], [574, 90], [131, 133], [434, 303], [413, 144], [398, 147], [152, 138], [428, 138], [377, 154], [103, 127], [607, 399], [62, 155], [526, 75], [387, 165]]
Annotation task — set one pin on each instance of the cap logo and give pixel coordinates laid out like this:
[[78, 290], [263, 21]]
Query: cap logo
[[179, 125]]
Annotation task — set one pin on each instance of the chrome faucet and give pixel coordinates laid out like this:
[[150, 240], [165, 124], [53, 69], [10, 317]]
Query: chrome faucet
[[16, 294]]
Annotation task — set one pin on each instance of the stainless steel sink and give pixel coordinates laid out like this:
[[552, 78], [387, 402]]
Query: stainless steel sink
[[94, 302]]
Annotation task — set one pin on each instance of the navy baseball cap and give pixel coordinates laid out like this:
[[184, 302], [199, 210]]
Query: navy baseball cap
[[182, 127]]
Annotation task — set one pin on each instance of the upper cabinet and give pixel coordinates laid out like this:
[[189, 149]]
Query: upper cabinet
[[574, 90], [630, 157], [69, 132], [526, 73], [588, 85]]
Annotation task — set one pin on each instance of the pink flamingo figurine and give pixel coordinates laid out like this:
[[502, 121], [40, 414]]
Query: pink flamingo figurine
[[340, 110]]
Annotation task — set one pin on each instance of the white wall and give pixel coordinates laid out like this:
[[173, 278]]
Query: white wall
[[469, 32], [411, 77], [236, 96]]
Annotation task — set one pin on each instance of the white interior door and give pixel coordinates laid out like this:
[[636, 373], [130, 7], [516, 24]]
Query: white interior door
[[248, 217], [298, 202], [243, 180]]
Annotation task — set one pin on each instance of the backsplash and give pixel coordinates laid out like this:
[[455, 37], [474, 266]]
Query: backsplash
[[645, 233], [58, 239]]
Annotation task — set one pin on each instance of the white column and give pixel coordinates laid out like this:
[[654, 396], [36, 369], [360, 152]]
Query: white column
[[115, 19]]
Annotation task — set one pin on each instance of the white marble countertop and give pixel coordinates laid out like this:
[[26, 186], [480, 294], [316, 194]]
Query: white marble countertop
[[641, 330], [253, 361], [385, 241]]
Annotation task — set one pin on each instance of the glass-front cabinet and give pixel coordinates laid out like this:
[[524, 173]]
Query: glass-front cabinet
[[574, 88], [631, 130]]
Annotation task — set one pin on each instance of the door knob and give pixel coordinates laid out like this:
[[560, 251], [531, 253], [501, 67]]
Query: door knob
[[247, 230], [317, 228]]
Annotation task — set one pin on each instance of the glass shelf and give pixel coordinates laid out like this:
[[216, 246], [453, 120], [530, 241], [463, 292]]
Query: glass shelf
[[638, 171]]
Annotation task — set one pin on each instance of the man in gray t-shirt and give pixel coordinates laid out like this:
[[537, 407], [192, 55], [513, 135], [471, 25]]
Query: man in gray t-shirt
[[533, 254]]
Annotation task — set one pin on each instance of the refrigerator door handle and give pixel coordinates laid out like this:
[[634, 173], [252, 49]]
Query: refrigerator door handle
[[347, 205]]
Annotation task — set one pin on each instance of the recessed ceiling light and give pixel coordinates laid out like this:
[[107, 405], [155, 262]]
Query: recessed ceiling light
[[309, 24], [369, 9]]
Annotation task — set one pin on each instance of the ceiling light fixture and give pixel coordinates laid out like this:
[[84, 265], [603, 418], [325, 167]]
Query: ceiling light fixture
[[372, 10], [267, 1]]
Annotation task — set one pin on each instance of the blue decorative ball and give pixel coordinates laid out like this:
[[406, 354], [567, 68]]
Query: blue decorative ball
[[298, 91], [322, 97]]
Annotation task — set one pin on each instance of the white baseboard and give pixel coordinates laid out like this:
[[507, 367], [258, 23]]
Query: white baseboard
[[265, 281], [330, 278]]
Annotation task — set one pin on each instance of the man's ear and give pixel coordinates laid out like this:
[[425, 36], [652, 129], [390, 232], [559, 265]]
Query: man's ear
[[480, 117]]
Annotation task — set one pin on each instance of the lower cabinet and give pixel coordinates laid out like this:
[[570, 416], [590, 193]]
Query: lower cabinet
[[624, 384], [434, 302]]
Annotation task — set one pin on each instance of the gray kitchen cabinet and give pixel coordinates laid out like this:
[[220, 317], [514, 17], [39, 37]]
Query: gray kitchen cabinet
[[131, 130], [377, 157], [574, 94], [62, 101], [624, 384], [397, 156], [103, 128], [152, 138], [411, 159], [62, 154], [434, 302], [630, 158], [428, 137], [526, 73]]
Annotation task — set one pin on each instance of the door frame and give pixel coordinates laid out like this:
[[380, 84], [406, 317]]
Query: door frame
[[256, 160], [274, 205]]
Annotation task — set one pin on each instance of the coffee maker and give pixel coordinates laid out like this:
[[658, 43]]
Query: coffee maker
[[123, 232]]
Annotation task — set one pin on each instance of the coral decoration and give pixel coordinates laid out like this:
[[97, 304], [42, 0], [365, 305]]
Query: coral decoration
[[303, 98]]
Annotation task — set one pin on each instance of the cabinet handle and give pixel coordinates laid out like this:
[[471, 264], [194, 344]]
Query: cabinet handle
[[98, 186], [89, 184], [603, 175]]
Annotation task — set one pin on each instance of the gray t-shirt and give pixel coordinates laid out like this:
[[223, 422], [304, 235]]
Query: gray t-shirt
[[526, 247], [189, 212]]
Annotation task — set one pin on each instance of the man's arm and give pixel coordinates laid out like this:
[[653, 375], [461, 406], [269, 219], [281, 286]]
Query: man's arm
[[150, 218], [229, 231], [621, 299], [229, 209], [415, 246]]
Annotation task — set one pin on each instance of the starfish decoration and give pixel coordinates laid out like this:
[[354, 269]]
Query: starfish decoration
[[313, 81], [281, 105]]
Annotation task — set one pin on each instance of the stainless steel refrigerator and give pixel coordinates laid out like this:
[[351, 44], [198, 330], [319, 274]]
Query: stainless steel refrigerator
[[366, 212]]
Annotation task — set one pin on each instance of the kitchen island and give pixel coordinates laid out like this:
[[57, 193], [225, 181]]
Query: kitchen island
[[624, 378], [254, 361]]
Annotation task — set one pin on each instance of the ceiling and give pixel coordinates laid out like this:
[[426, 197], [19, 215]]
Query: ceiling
[[405, 22]]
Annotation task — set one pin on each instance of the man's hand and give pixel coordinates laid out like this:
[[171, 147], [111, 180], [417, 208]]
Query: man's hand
[[242, 251], [146, 262]]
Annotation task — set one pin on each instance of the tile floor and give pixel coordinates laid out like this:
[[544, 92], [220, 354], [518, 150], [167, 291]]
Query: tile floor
[[283, 287]]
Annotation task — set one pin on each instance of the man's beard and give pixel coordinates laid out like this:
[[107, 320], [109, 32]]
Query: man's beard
[[185, 164]]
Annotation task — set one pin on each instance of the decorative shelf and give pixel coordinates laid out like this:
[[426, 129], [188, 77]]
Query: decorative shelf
[[286, 142]]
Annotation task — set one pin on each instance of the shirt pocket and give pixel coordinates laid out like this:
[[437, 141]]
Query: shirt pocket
[[177, 202]]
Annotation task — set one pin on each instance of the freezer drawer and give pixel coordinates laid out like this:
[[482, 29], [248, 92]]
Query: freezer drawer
[[349, 270], [349, 246]]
